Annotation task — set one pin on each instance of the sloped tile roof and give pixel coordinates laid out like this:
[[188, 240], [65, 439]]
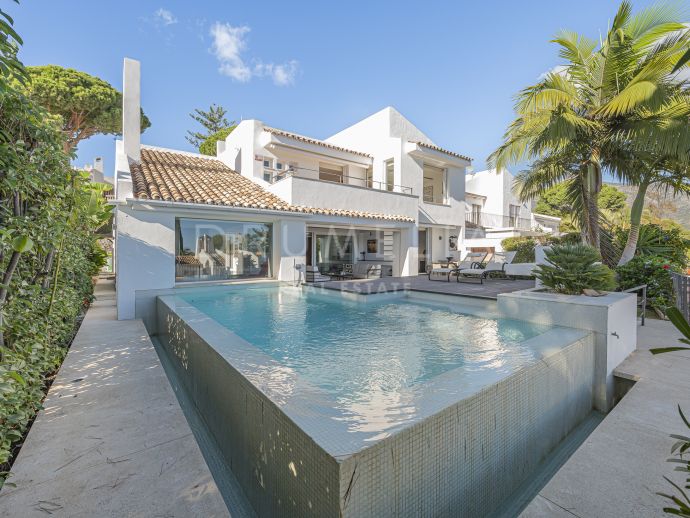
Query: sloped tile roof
[[185, 178], [309, 140], [441, 150]]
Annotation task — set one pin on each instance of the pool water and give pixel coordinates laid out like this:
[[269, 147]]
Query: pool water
[[370, 357]]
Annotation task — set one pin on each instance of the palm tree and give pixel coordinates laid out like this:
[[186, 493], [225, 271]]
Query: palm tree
[[611, 98], [667, 175]]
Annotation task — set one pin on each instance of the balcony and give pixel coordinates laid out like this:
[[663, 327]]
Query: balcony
[[274, 175], [483, 220]]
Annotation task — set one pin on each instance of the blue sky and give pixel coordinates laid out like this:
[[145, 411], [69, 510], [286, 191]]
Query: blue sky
[[312, 67]]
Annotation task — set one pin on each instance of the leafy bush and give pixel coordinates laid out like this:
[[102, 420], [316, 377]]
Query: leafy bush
[[653, 271], [655, 240], [574, 268], [50, 214], [208, 146], [524, 246]]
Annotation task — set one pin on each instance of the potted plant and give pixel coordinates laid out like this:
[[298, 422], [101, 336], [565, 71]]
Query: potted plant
[[575, 270]]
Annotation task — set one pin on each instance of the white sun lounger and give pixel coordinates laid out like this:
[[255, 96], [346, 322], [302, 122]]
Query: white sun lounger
[[498, 263], [471, 260]]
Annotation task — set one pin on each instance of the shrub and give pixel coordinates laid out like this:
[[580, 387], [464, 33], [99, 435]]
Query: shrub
[[574, 268], [653, 271], [655, 240], [208, 146], [524, 246]]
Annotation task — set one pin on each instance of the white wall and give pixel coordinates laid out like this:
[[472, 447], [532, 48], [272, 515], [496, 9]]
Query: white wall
[[145, 245], [145, 248], [497, 187], [315, 193]]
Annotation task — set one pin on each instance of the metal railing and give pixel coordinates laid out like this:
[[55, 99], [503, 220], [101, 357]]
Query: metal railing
[[641, 292], [681, 285], [487, 220], [275, 175]]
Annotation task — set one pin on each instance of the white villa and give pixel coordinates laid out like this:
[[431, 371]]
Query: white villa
[[378, 194]]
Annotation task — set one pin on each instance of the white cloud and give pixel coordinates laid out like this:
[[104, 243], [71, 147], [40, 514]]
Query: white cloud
[[228, 46], [164, 17]]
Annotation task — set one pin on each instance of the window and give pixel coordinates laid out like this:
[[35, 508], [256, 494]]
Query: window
[[390, 174], [221, 250], [331, 173], [434, 184], [279, 166], [333, 251], [513, 215], [369, 175], [268, 166], [476, 216]]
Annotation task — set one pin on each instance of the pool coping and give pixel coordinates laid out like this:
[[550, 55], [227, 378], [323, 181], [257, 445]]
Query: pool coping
[[307, 405]]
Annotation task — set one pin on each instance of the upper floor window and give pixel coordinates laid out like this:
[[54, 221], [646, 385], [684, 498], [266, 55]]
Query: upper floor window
[[389, 174], [369, 175], [434, 184], [513, 215], [331, 173]]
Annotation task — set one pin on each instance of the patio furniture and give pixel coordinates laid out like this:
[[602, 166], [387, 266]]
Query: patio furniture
[[366, 271], [344, 274], [513, 270], [445, 270], [497, 264], [312, 274]]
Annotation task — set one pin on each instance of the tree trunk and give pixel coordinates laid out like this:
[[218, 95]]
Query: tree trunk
[[46, 272], [6, 279], [635, 219], [591, 189]]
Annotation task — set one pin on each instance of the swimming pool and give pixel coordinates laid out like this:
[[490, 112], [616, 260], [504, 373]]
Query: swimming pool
[[372, 358], [361, 405]]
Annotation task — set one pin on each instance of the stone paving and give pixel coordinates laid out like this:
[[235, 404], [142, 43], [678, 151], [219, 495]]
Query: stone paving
[[112, 439], [620, 467], [490, 289]]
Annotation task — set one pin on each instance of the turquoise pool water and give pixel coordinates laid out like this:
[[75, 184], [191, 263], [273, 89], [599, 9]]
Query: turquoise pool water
[[370, 357]]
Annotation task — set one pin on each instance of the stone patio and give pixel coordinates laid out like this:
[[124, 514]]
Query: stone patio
[[471, 288]]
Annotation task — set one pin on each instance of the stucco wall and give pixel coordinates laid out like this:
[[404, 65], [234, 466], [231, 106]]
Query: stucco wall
[[145, 246]]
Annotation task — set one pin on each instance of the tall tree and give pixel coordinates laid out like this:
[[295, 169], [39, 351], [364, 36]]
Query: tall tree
[[667, 175], [610, 98], [86, 104], [213, 121]]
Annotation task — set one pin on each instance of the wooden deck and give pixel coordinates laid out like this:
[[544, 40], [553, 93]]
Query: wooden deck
[[471, 288]]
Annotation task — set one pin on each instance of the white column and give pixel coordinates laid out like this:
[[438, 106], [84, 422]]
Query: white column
[[290, 244], [131, 108]]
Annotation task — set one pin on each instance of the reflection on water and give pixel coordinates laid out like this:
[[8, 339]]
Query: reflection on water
[[370, 357]]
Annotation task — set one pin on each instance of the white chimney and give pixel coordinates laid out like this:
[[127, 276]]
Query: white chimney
[[131, 108], [98, 164]]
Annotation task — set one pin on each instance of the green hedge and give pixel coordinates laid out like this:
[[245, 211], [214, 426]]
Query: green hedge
[[524, 246], [50, 214]]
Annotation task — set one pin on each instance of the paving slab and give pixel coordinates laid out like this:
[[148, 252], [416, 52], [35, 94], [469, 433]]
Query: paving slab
[[112, 439], [619, 469]]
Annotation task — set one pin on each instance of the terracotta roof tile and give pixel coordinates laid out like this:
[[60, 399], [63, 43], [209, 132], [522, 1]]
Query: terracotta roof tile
[[441, 150], [309, 140], [186, 178]]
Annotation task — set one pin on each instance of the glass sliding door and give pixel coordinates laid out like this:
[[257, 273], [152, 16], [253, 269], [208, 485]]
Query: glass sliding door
[[209, 250], [333, 252]]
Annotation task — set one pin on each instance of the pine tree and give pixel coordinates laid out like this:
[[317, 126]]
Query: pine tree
[[212, 120]]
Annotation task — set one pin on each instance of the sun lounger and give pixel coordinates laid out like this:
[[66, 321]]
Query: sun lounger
[[312, 275], [497, 264], [470, 260]]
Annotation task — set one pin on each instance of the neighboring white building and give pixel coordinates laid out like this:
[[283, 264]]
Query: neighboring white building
[[96, 173], [495, 213], [379, 194]]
